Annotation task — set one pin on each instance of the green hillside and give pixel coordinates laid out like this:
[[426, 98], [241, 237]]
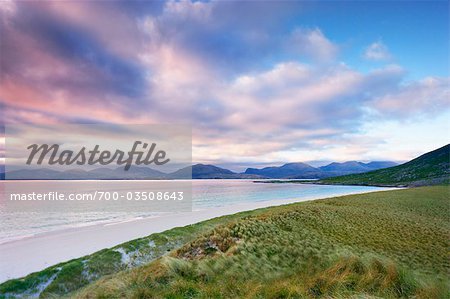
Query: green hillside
[[429, 169], [389, 244]]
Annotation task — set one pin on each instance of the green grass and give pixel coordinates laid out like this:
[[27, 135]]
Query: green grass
[[391, 244], [72, 275]]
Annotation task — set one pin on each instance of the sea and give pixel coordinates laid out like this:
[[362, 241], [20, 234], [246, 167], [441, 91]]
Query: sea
[[18, 221]]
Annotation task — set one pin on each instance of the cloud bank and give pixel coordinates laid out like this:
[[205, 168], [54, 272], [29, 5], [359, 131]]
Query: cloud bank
[[253, 87]]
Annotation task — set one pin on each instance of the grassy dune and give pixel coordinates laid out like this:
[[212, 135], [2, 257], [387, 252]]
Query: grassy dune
[[70, 276], [390, 244]]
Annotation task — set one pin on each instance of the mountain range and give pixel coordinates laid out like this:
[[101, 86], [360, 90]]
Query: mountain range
[[202, 171], [428, 169], [305, 171]]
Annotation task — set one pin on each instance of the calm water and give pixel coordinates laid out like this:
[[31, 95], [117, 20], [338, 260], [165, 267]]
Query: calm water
[[19, 222]]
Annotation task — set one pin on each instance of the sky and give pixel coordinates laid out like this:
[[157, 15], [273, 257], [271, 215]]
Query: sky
[[261, 83]]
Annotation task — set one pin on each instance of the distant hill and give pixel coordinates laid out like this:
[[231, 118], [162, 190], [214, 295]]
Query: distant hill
[[199, 171], [135, 173], [305, 171], [202, 171], [34, 174], [290, 170], [430, 168], [351, 167], [380, 164]]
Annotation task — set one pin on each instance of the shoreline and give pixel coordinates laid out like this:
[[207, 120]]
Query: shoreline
[[21, 257]]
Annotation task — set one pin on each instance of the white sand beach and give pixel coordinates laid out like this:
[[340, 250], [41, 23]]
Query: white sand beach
[[21, 257]]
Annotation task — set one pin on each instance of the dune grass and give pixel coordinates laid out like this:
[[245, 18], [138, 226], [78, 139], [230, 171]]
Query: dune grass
[[391, 244], [70, 276]]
